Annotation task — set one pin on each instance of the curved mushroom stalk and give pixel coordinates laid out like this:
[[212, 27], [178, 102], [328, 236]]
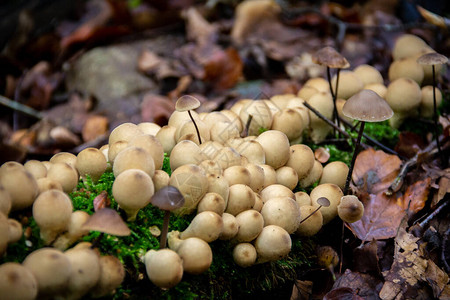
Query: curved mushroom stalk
[[206, 225]]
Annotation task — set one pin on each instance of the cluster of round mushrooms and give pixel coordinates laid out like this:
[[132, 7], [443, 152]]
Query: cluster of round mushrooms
[[237, 181]]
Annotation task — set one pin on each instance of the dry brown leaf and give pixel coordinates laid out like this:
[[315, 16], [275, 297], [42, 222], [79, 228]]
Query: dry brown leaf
[[223, 69], [302, 290], [63, 137], [101, 201], [148, 61], [415, 196], [342, 293], [408, 272], [374, 171], [443, 188], [94, 127], [198, 29], [366, 259], [437, 279], [156, 108], [364, 286], [381, 218]]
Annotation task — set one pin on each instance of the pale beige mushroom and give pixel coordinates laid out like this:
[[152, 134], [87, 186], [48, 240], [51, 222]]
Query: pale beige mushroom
[[21, 187], [17, 282], [91, 162]]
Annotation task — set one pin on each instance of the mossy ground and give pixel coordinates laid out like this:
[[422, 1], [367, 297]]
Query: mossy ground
[[224, 279]]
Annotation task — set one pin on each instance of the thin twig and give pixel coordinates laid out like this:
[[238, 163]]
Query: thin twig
[[20, 107]]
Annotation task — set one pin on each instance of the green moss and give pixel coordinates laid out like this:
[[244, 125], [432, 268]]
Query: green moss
[[166, 164]]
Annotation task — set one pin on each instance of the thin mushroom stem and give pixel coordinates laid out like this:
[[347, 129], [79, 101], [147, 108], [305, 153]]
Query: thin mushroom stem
[[334, 96], [196, 128], [247, 126], [165, 230], [355, 152], [310, 214], [435, 119]]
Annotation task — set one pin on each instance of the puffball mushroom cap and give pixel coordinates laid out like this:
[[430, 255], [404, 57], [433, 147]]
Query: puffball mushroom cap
[[36, 168], [407, 45], [290, 122], [274, 191], [261, 116], [350, 209], [333, 193], [166, 136], [206, 225], [408, 68], [52, 211], [92, 162], [85, 271], [273, 243], [301, 159], [349, 84], [241, 197], [212, 202], [313, 224], [17, 282], [4, 233], [195, 253], [185, 152], [132, 190], [328, 56], [21, 187], [403, 96], [65, 174], [124, 132], [192, 182], [230, 227], [368, 74], [112, 273], [335, 172], [152, 145], [64, 157], [51, 269], [15, 231], [134, 157], [281, 211], [164, 267], [275, 156], [5, 201], [427, 101], [244, 254], [250, 223], [367, 106]]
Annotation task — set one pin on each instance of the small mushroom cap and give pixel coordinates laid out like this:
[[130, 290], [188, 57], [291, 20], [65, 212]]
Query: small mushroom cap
[[187, 102], [367, 106], [323, 201], [107, 220], [432, 58], [329, 57], [168, 198]]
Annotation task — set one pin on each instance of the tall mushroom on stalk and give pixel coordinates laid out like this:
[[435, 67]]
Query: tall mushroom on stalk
[[167, 199], [364, 106], [434, 59], [188, 103], [330, 58]]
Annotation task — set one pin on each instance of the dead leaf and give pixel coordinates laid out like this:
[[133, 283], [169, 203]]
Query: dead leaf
[[415, 196], [302, 290], [148, 61], [443, 188], [63, 137], [408, 272], [365, 258], [374, 171], [409, 144], [436, 278], [342, 293], [224, 69], [94, 127], [156, 108], [198, 29], [362, 285], [101, 201], [381, 218]]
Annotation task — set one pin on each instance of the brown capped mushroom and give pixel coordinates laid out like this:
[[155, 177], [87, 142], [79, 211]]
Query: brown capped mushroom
[[188, 103], [434, 59], [167, 199], [365, 106]]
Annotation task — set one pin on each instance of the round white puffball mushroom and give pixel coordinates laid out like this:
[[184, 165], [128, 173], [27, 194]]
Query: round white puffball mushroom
[[132, 190], [17, 282], [51, 269], [164, 267]]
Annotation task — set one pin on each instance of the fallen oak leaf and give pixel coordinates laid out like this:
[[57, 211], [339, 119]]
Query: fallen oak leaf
[[381, 218], [415, 196], [374, 171], [101, 201]]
